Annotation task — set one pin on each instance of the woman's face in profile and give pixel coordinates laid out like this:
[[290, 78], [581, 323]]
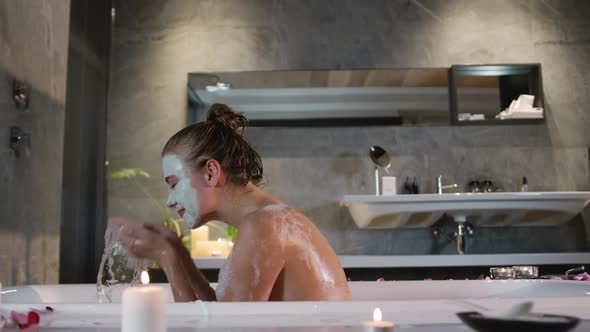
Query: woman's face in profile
[[182, 184]]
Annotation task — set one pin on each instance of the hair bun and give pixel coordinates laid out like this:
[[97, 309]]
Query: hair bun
[[223, 114]]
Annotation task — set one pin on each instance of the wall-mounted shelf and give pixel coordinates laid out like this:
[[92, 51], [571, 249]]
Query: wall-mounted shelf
[[503, 84]]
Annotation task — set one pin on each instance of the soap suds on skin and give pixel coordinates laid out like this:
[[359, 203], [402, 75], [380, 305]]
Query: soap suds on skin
[[183, 194], [288, 225], [290, 230]]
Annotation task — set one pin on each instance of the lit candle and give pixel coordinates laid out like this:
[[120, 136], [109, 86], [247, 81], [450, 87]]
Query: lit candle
[[219, 248], [201, 235], [222, 247], [377, 325], [144, 308]]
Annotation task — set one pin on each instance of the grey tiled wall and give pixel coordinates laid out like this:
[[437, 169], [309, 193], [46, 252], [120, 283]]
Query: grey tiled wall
[[157, 43], [33, 48]]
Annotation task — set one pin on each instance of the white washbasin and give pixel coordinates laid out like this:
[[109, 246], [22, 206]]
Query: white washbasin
[[481, 209]]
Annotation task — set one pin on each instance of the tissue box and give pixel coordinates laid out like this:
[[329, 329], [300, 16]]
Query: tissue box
[[389, 185]]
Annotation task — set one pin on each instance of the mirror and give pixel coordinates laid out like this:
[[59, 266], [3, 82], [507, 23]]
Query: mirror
[[500, 94], [405, 97]]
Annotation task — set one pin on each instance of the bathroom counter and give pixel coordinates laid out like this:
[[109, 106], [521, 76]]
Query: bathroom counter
[[354, 262]]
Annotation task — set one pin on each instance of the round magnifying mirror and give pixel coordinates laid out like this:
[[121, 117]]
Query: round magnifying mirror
[[380, 157]]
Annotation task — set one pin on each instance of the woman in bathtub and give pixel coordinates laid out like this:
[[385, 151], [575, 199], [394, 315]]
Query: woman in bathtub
[[279, 255]]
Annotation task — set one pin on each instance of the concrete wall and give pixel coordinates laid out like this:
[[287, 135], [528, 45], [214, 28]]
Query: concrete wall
[[33, 48], [157, 43]]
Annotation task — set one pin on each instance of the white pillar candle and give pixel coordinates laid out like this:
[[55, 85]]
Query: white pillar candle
[[219, 248], [200, 249], [378, 325], [144, 308], [200, 234]]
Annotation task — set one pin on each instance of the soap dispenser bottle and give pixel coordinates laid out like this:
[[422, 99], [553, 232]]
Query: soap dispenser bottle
[[525, 186], [415, 189], [407, 187]]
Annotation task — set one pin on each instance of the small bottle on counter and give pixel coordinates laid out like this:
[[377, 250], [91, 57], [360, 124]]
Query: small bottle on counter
[[415, 188], [407, 188], [525, 186]]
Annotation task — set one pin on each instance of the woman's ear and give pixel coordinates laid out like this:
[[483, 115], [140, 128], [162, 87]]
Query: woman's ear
[[213, 172]]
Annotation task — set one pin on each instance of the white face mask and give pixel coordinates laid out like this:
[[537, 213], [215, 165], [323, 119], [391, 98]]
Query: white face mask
[[183, 194]]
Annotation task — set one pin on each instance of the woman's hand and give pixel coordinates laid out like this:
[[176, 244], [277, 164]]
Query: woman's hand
[[152, 241]]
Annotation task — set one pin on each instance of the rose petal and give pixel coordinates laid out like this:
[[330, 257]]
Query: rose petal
[[582, 276], [18, 318], [42, 311], [33, 318], [25, 321]]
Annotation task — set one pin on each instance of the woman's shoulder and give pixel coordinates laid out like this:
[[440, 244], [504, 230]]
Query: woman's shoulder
[[271, 217], [267, 213], [274, 208]]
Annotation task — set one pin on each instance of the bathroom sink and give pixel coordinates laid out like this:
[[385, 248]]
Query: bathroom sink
[[480, 209]]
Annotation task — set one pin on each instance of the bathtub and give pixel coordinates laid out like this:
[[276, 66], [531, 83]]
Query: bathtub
[[418, 305], [361, 291]]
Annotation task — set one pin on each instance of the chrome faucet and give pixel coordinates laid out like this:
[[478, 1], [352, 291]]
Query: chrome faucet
[[440, 187], [460, 236]]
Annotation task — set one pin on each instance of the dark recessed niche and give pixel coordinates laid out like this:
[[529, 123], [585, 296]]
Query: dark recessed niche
[[478, 94]]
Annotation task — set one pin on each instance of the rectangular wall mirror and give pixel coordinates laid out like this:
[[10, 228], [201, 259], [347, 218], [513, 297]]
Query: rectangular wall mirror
[[405, 97], [496, 94]]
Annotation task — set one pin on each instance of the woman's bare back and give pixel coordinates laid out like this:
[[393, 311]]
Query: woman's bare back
[[281, 256]]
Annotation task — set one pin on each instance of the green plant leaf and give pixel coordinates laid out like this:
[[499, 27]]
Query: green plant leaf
[[128, 173], [186, 241], [232, 232]]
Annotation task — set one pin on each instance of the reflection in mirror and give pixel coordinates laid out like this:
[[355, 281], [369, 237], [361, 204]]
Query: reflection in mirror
[[408, 97], [484, 94]]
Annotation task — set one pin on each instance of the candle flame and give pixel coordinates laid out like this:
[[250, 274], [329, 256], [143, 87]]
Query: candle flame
[[377, 315], [145, 278]]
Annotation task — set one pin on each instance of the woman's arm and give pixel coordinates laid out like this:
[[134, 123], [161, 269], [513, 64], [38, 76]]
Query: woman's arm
[[158, 243], [186, 281]]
